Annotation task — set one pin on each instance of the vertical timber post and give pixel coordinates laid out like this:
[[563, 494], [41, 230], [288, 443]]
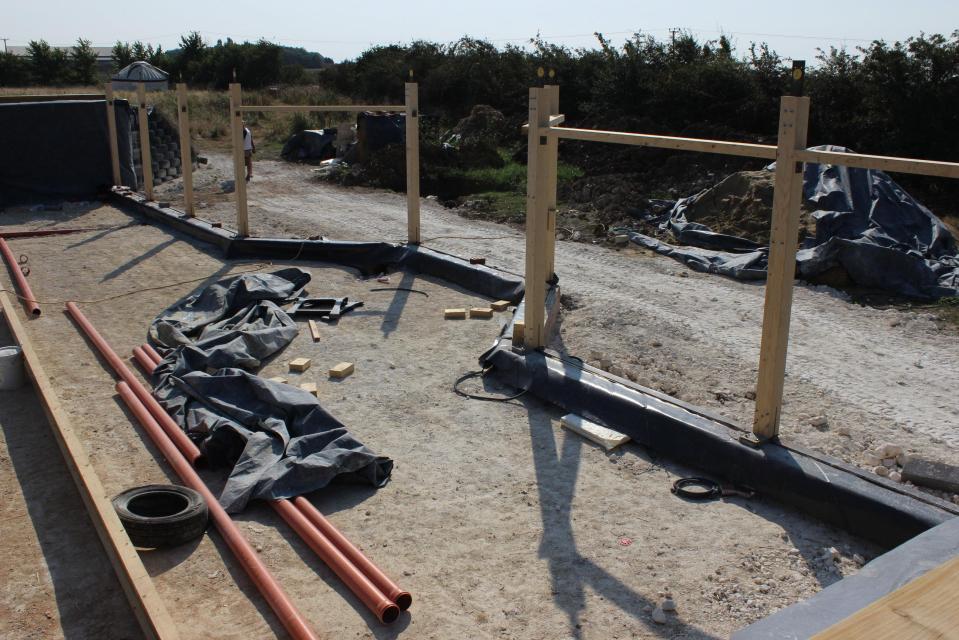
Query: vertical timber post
[[537, 200], [112, 133], [239, 166], [412, 163], [186, 153], [552, 161], [787, 198], [145, 160]]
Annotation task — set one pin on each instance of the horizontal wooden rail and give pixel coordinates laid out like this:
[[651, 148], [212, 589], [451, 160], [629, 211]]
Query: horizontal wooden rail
[[745, 149], [52, 97], [289, 108], [884, 163]]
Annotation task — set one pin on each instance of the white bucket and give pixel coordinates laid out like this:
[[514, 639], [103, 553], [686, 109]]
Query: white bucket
[[11, 368]]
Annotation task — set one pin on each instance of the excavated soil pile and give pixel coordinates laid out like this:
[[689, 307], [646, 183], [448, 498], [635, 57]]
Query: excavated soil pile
[[741, 205]]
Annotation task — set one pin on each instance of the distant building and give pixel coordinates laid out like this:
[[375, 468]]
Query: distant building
[[104, 55]]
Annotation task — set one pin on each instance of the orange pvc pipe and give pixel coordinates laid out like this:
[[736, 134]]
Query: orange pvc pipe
[[29, 301], [172, 429], [402, 598], [386, 611], [145, 362], [289, 616], [150, 351]]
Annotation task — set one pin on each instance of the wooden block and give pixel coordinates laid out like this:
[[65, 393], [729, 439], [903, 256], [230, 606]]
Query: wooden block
[[481, 312], [314, 330], [300, 364], [279, 379], [454, 314], [341, 370], [477, 260], [500, 305], [606, 438], [519, 332], [310, 387]]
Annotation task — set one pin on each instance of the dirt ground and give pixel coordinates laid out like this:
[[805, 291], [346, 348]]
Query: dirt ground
[[500, 523]]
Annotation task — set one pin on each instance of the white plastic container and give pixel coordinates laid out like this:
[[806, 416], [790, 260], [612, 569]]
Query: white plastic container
[[11, 368]]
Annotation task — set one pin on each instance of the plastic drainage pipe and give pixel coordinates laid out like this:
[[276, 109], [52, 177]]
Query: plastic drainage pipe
[[289, 616], [386, 611], [403, 599], [150, 351], [29, 301], [144, 360], [172, 429]]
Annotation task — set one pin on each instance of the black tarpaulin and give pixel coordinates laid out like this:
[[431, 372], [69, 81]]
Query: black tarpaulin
[[277, 439]]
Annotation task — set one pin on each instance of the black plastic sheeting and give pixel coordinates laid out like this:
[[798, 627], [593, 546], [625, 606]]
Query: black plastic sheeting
[[826, 488], [841, 599], [61, 149], [277, 439], [310, 144], [866, 223]]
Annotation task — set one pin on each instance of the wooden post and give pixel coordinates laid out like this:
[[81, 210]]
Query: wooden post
[[552, 162], [537, 201], [112, 134], [145, 161], [186, 155], [787, 198], [239, 166], [412, 163]]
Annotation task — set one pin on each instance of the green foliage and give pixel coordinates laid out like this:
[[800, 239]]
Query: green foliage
[[122, 55], [83, 63], [14, 71], [48, 65]]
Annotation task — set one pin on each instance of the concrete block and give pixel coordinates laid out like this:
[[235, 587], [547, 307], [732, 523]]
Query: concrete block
[[342, 370], [300, 365]]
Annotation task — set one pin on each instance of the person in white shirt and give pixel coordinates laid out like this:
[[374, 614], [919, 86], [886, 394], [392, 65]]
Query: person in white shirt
[[248, 150]]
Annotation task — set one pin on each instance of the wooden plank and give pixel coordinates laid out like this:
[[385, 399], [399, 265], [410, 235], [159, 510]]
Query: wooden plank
[[926, 608], [314, 330], [239, 166], [552, 169], [412, 163], [744, 149], [344, 108], [140, 591], [537, 201], [606, 438], [186, 156], [783, 240], [112, 134], [145, 160], [883, 163]]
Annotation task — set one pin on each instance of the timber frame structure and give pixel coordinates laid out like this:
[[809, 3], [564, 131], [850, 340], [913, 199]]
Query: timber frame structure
[[544, 133]]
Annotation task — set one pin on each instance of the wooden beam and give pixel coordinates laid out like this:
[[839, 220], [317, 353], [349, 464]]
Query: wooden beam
[[744, 149], [412, 163], [537, 201], [145, 160], [883, 163], [112, 134], [186, 155], [338, 108], [552, 168], [926, 608], [239, 166], [136, 582], [783, 241]]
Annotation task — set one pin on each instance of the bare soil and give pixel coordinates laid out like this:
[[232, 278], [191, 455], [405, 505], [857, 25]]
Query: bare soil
[[498, 521]]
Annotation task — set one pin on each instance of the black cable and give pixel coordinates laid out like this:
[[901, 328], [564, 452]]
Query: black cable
[[472, 396], [705, 488], [401, 289]]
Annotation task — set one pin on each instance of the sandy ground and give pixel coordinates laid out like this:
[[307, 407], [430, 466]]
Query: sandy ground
[[500, 523], [876, 375]]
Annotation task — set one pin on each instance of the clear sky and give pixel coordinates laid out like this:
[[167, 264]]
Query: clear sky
[[343, 29]]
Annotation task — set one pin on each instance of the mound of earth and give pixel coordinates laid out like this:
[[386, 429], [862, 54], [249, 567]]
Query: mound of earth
[[741, 205]]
